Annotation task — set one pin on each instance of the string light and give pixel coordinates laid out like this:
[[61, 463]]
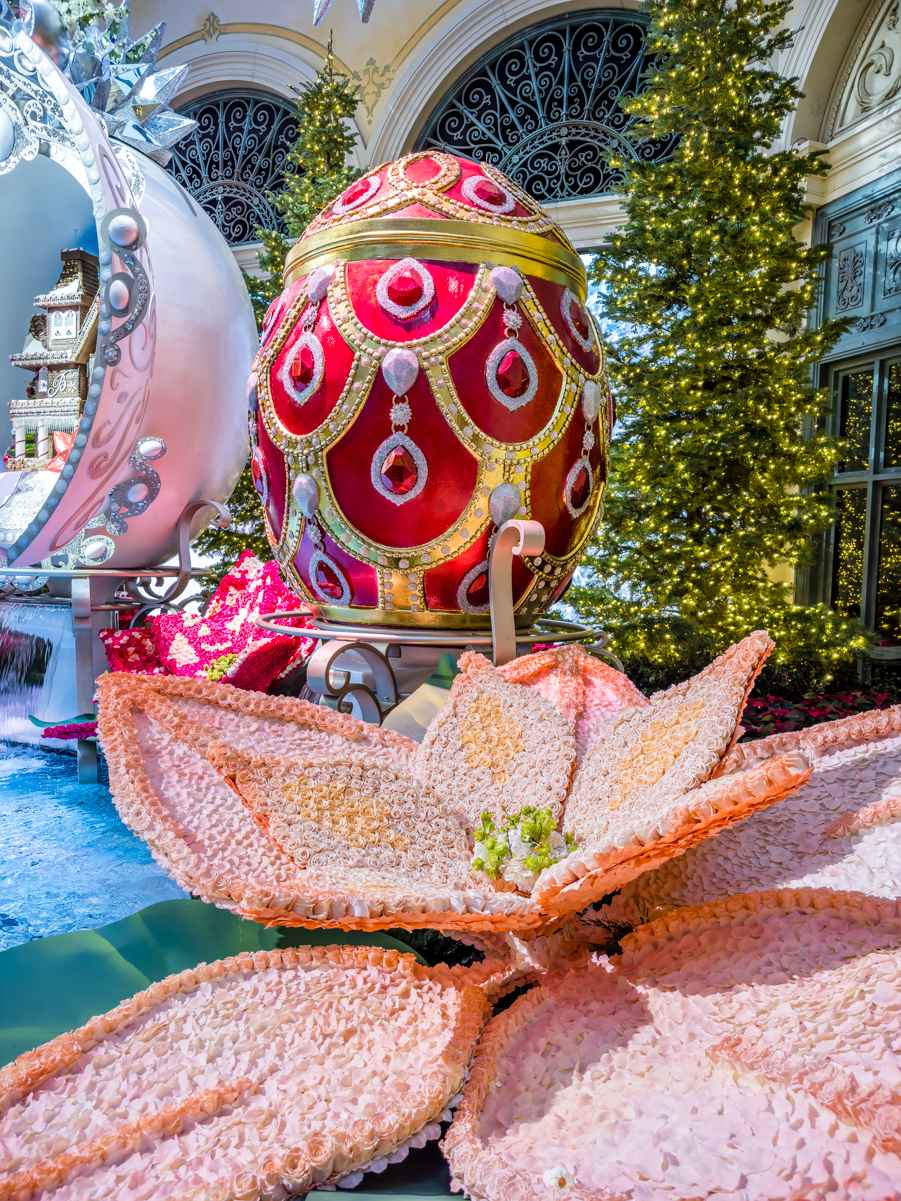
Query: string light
[[713, 484]]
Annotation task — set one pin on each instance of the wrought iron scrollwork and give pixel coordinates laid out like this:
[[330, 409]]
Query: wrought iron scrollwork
[[235, 158], [545, 106], [355, 678]]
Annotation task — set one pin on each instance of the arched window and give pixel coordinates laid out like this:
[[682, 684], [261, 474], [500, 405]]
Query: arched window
[[235, 158], [544, 105]]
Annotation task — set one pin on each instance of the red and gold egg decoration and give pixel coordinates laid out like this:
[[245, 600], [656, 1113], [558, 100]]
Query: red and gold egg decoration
[[430, 372]]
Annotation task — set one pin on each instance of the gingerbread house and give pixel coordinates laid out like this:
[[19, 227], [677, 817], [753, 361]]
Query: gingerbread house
[[58, 353]]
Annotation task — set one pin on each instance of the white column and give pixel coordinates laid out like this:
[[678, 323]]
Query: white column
[[20, 440], [43, 441]]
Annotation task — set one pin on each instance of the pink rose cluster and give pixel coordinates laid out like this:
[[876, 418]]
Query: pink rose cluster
[[223, 643]]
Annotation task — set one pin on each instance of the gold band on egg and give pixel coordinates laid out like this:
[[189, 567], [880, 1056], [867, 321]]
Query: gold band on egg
[[443, 241]]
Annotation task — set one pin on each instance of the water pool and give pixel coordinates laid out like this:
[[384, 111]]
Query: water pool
[[66, 860]]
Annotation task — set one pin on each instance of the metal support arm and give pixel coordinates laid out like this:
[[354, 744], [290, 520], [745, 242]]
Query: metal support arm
[[513, 538]]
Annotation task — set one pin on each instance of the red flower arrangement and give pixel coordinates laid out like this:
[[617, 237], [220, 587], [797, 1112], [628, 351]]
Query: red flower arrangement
[[770, 714]]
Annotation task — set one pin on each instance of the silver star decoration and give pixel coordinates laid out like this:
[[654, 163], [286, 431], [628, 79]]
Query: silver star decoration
[[118, 77], [321, 7], [137, 109]]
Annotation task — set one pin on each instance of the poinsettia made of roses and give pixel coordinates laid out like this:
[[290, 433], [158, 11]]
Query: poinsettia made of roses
[[745, 1048], [538, 789]]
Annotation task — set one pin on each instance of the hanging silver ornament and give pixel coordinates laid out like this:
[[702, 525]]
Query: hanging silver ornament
[[322, 7]]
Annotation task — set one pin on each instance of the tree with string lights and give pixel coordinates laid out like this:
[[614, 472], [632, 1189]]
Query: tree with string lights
[[713, 485], [318, 169]]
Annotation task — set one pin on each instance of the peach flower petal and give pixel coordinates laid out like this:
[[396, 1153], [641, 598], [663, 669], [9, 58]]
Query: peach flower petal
[[167, 776], [497, 746], [257, 1076], [356, 813], [649, 836], [738, 1050], [228, 720], [841, 830], [584, 688], [645, 758]]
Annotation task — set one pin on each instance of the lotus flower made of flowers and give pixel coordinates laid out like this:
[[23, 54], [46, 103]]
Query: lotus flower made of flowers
[[745, 1049], [289, 813], [739, 1051]]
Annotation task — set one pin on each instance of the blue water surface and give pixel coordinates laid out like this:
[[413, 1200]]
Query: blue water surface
[[66, 860]]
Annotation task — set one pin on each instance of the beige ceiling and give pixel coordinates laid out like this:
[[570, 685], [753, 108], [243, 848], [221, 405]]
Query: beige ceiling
[[394, 29]]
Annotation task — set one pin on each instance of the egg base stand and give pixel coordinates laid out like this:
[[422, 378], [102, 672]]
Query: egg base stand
[[367, 670]]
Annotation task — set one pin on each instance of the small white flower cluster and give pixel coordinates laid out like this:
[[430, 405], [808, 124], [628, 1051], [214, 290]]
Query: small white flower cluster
[[515, 870], [510, 848], [78, 14]]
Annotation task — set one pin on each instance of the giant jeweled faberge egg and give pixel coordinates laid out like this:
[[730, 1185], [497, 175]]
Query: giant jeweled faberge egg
[[430, 372]]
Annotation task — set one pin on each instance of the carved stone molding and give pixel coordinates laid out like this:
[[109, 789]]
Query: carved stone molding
[[870, 77], [850, 277], [873, 321], [880, 211]]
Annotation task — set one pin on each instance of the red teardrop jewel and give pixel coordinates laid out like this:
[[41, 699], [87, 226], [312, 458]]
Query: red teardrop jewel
[[399, 473], [303, 368], [512, 375], [490, 193], [580, 489], [327, 581], [405, 289], [579, 319], [477, 592], [355, 191]]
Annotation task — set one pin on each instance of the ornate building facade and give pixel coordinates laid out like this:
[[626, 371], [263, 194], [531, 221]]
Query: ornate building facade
[[57, 354], [533, 86]]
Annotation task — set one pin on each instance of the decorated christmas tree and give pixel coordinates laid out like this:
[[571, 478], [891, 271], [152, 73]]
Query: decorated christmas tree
[[716, 493], [317, 171]]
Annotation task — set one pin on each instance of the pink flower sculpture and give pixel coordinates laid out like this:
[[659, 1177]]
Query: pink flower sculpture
[[746, 1049], [223, 643], [289, 813]]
